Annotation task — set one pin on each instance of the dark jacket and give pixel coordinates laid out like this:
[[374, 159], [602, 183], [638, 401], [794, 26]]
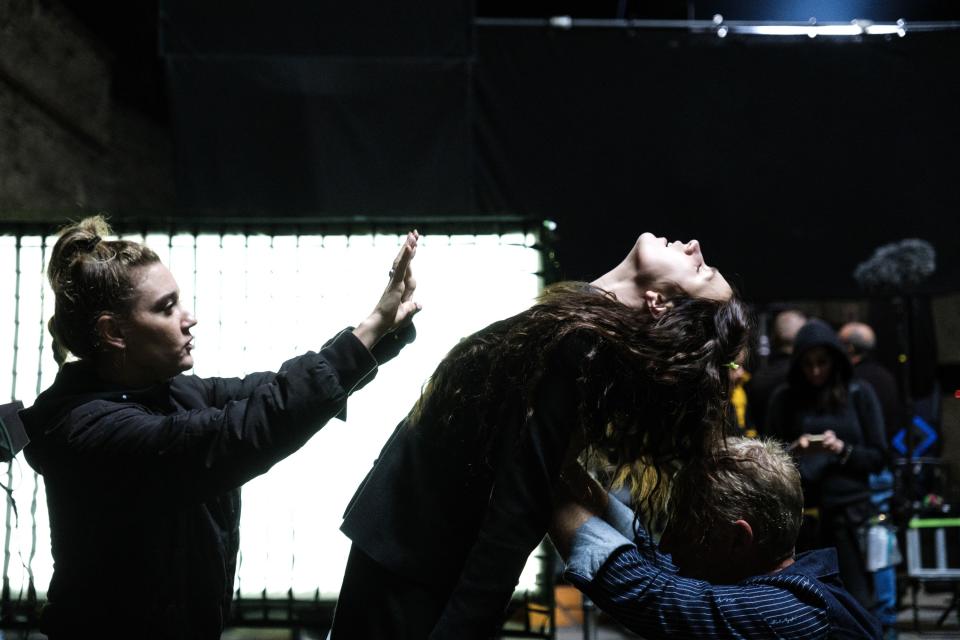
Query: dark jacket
[[885, 386], [640, 588], [830, 479], [762, 384], [459, 518], [143, 485]]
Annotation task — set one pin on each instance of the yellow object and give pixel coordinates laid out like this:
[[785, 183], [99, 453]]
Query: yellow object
[[738, 398], [569, 611]]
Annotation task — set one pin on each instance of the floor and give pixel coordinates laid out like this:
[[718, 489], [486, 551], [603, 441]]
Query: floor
[[930, 608], [569, 613]]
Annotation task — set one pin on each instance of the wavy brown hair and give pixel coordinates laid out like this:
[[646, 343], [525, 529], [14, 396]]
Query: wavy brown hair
[[652, 392]]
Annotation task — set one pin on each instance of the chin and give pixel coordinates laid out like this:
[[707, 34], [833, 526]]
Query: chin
[[645, 237], [644, 244]]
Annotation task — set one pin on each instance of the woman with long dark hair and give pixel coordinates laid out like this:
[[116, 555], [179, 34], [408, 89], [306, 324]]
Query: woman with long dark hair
[[143, 465], [833, 424], [629, 368]]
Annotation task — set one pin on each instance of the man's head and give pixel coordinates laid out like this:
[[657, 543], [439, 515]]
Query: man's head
[[786, 324], [859, 339], [735, 514]]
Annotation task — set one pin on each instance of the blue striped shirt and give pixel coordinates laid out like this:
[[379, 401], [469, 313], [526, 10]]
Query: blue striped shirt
[[643, 591]]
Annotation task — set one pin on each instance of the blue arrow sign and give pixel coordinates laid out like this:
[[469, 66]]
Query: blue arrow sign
[[929, 437]]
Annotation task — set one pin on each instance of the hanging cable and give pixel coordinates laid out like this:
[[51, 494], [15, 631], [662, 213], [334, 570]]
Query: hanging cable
[[31, 585], [11, 503]]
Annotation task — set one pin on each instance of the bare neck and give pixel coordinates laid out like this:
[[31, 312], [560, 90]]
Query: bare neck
[[624, 281], [783, 564]]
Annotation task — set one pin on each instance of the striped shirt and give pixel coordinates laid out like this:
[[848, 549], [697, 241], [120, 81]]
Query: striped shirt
[[642, 590]]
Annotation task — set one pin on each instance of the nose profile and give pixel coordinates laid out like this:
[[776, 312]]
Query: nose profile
[[692, 247], [189, 320]]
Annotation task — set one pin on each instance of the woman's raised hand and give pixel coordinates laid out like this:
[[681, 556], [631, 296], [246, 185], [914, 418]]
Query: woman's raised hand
[[396, 307]]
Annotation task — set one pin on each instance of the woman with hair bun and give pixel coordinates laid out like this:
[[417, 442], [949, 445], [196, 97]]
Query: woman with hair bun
[[630, 368], [143, 465]]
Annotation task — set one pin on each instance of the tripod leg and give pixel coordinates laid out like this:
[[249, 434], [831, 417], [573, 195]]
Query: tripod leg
[[916, 614], [951, 606], [589, 619]]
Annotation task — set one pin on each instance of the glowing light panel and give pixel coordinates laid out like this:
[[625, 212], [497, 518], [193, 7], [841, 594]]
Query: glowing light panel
[[259, 300]]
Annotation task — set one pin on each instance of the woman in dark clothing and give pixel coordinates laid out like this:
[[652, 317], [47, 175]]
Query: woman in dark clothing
[[834, 426], [630, 367], [143, 465]]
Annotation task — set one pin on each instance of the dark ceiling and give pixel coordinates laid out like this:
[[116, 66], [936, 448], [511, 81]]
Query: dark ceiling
[[129, 29], [792, 162]]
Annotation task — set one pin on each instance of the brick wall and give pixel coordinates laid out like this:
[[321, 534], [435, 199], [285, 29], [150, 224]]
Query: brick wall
[[65, 146]]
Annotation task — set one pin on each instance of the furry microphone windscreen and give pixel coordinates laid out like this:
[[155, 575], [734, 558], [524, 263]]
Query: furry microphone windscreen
[[897, 267]]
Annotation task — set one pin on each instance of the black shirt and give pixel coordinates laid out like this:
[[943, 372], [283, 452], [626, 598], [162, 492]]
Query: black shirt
[[143, 485]]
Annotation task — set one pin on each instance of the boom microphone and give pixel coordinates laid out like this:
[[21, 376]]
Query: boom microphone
[[897, 267]]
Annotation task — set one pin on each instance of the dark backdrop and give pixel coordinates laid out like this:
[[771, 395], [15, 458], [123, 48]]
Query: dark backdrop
[[790, 159]]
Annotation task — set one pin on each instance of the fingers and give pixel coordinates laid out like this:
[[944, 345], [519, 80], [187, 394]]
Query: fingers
[[409, 285], [832, 442], [401, 264], [406, 311]]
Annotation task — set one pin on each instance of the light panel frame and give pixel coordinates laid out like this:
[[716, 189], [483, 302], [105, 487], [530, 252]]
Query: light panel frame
[[259, 299]]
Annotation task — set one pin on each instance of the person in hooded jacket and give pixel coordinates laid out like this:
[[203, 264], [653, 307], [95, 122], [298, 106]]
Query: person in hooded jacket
[[143, 465], [833, 425]]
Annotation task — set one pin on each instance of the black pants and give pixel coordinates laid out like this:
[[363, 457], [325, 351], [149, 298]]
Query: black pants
[[839, 529], [376, 604]]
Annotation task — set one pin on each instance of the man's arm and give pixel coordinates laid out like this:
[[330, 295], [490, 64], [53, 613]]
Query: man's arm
[[641, 590], [580, 497], [653, 601], [589, 525], [584, 539]]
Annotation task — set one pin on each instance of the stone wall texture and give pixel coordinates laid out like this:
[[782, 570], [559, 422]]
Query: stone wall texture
[[65, 147]]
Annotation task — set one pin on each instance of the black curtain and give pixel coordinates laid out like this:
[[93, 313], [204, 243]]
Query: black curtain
[[790, 159]]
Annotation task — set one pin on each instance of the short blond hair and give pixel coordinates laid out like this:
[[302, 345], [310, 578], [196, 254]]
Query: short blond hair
[[755, 480]]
